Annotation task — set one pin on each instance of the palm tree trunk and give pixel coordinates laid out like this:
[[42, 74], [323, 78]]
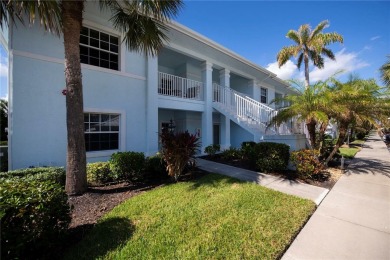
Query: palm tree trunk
[[311, 128], [306, 60], [321, 134], [76, 178], [343, 130]]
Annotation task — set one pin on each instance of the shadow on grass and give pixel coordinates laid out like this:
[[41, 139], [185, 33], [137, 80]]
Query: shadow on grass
[[109, 234], [212, 180]]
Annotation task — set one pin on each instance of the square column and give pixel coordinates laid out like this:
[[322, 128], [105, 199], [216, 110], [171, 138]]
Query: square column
[[255, 89], [152, 106], [207, 115], [224, 78]]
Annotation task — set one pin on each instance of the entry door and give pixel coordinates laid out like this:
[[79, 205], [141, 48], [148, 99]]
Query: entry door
[[216, 139]]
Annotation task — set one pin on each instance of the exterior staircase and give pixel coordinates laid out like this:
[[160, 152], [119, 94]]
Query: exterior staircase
[[248, 113]]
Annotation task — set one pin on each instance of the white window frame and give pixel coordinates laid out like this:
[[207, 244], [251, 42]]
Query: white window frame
[[110, 33], [122, 132], [266, 95]]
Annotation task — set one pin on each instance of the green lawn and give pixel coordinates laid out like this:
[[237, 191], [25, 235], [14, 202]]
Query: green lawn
[[213, 217], [357, 142], [349, 152]]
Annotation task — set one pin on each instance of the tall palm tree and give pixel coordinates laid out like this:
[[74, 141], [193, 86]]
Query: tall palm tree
[[310, 45], [308, 105], [358, 101], [142, 23], [385, 72]]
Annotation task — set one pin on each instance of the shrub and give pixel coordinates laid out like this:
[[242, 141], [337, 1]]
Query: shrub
[[307, 163], [56, 174], [212, 149], [177, 150], [100, 173], [34, 214], [268, 156], [156, 168], [247, 150], [127, 166], [231, 154]]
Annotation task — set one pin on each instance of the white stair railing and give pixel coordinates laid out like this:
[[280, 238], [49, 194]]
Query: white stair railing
[[252, 112]]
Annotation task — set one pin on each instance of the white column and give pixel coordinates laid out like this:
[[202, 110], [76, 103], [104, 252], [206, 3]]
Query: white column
[[152, 106], [255, 89], [207, 115], [224, 78]]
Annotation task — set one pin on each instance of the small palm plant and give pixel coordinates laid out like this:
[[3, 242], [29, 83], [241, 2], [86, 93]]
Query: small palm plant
[[178, 149]]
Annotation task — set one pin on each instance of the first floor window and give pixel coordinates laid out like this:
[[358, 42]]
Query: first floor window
[[101, 131], [263, 95]]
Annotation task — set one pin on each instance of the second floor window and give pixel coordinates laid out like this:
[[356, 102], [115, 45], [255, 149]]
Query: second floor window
[[99, 49], [263, 95]]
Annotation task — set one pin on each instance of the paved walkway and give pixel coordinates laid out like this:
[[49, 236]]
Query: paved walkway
[[353, 221], [302, 190]]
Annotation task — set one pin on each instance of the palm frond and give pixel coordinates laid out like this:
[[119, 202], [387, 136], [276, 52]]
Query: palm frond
[[385, 72], [328, 53], [285, 54], [319, 28], [328, 38], [294, 35], [299, 62]]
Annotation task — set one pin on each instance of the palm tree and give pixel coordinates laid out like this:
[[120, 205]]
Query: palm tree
[[143, 24], [385, 72], [309, 45], [359, 101], [308, 105]]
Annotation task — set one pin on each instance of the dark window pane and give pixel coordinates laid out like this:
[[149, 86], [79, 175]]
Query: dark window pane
[[113, 66], [114, 58], [86, 117], [104, 55], [104, 37], [104, 64], [114, 48], [114, 40], [104, 46], [105, 137], [94, 61], [114, 145], [94, 127], [94, 34], [84, 31], [86, 127], [95, 117], [94, 146], [94, 53], [84, 39], [94, 43], [84, 59], [84, 50], [105, 145]]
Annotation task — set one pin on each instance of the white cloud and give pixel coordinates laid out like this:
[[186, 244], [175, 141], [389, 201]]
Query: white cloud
[[347, 62], [375, 38], [287, 71]]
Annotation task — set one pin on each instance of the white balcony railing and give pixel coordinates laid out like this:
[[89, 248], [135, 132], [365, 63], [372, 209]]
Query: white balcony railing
[[174, 86]]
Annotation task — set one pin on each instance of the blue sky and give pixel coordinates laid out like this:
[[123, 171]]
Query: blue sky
[[256, 30]]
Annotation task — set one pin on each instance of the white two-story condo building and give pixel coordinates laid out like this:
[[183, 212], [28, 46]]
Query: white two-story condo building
[[129, 97]]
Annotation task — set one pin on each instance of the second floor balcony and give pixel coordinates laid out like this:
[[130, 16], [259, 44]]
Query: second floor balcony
[[174, 86]]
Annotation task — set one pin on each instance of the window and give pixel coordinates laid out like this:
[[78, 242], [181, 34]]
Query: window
[[263, 95], [101, 131], [99, 49], [278, 104]]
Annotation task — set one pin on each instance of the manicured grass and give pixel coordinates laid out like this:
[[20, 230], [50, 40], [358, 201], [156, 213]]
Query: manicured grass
[[214, 217], [357, 142], [349, 152]]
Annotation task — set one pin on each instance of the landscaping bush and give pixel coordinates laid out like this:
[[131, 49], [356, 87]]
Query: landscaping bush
[[247, 150], [156, 168], [56, 174], [212, 149], [100, 173], [128, 166], [34, 214], [231, 154], [269, 157], [177, 150], [307, 163]]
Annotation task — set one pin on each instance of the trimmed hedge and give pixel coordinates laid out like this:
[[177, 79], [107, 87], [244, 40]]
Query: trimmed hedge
[[156, 168], [56, 174], [267, 156], [100, 173], [128, 166], [212, 149], [34, 213], [307, 163]]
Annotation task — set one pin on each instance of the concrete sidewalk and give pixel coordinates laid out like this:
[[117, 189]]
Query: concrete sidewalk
[[353, 221], [302, 190]]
